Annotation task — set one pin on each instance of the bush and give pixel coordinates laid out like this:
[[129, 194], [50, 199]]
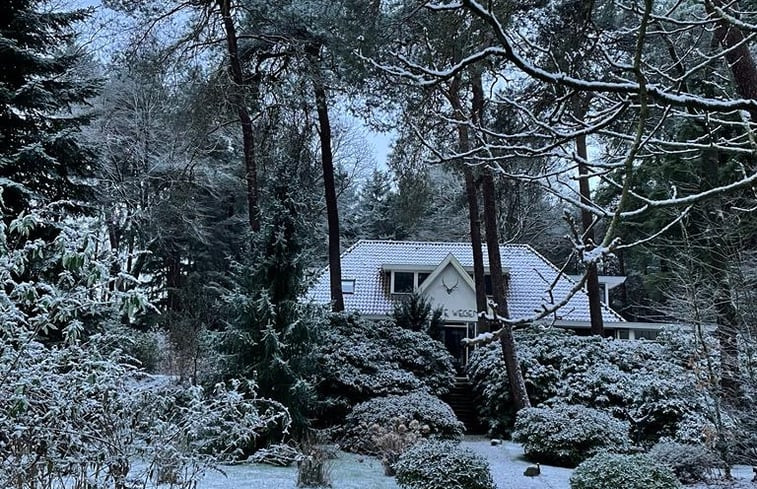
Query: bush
[[567, 435], [422, 407], [415, 313], [689, 463], [442, 464], [639, 380], [611, 471], [73, 413], [392, 441], [357, 360]]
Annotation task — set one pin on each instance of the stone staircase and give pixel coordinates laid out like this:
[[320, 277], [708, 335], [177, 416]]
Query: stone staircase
[[461, 399]]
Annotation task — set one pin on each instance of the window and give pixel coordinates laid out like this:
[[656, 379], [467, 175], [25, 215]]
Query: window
[[488, 285], [623, 334], [422, 276], [603, 293], [647, 334], [348, 286], [403, 282]]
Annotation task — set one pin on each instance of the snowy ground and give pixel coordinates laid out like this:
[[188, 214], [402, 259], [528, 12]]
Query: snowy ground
[[351, 471], [507, 466]]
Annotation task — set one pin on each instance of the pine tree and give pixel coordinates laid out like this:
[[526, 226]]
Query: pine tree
[[41, 95], [376, 209]]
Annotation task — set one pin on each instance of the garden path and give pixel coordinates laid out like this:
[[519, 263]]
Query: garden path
[[507, 466]]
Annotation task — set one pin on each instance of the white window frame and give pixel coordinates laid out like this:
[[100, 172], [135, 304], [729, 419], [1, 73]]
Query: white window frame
[[348, 281], [415, 281]]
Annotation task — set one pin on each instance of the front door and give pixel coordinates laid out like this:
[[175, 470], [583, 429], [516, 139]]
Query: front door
[[453, 337]]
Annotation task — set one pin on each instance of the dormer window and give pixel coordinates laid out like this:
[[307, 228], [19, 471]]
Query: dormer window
[[348, 286], [422, 276], [403, 282]]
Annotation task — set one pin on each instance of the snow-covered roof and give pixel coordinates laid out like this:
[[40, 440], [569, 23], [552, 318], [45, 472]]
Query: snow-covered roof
[[530, 277]]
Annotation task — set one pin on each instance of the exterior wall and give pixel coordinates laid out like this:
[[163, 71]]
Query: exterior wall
[[454, 295]]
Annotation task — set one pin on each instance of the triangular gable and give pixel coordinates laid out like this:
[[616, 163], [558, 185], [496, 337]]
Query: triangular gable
[[448, 260]]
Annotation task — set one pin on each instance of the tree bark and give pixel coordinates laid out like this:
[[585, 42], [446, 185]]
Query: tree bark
[[506, 339], [592, 275], [739, 57], [329, 186], [245, 119], [476, 244], [474, 214]]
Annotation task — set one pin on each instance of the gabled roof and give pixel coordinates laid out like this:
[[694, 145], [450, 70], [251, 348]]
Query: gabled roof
[[530, 277], [455, 263]]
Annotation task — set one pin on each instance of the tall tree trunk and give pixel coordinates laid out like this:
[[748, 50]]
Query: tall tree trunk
[[592, 275], [718, 258], [506, 339], [329, 186], [474, 214], [739, 56], [240, 85]]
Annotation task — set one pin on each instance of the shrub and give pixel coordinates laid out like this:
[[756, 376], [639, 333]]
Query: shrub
[[422, 407], [442, 464], [313, 470], [689, 463], [638, 380], [392, 441], [611, 471], [73, 413], [357, 360], [566, 435], [415, 313]]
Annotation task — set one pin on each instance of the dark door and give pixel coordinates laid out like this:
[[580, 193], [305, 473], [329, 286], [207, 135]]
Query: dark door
[[453, 337]]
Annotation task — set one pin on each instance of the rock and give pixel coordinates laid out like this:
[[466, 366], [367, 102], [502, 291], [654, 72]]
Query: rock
[[532, 470], [496, 441]]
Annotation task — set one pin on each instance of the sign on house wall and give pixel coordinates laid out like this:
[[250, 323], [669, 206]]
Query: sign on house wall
[[453, 293]]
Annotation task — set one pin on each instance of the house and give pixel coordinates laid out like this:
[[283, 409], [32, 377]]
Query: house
[[377, 274]]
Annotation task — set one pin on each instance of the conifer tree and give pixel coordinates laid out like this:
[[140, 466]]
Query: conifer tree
[[41, 95]]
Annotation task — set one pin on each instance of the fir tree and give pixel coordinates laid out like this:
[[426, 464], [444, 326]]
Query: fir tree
[[271, 329], [41, 93]]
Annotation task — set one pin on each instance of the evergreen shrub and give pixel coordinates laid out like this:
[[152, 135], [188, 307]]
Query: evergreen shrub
[[567, 435], [689, 463], [442, 464], [355, 360], [613, 471], [422, 407], [647, 380]]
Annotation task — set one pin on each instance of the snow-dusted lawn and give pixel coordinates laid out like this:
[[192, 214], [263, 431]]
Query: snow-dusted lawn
[[351, 471], [507, 466]]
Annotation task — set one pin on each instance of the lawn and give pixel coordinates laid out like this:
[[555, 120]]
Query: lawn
[[350, 471]]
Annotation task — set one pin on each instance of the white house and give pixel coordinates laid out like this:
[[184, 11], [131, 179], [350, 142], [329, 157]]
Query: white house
[[376, 274]]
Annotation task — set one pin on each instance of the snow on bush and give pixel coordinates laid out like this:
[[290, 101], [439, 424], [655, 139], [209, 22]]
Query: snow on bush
[[72, 414], [420, 406], [357, 360], [76, 412], [442, 464], [613, 471], [566, 435], [689, 463], [638, 380]]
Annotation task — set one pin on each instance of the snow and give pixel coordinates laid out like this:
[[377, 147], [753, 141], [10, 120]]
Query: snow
[[507, 465], [349, 471], [352, 471]]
